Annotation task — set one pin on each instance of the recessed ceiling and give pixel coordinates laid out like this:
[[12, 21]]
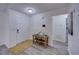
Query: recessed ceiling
[[39, 7]]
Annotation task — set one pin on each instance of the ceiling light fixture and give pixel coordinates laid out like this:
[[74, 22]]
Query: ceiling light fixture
[[30, 10]]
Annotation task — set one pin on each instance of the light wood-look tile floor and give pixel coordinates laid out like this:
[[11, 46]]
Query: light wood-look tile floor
[[19, 48], [58, 48]]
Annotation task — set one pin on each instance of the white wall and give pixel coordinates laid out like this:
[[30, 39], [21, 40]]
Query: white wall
[[59, 28], [36, 25], [16, 20], [1, 28], [73, 41], [2, 24]]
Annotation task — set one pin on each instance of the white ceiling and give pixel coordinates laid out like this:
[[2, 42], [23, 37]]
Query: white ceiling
[[39, 7]]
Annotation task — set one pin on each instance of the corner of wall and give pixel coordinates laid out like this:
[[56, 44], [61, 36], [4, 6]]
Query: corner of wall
[[69, 51]]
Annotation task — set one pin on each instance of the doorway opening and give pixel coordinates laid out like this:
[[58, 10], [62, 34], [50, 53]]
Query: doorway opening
[[59, 32]]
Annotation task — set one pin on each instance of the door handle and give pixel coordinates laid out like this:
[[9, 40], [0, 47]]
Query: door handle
[[17, 30]]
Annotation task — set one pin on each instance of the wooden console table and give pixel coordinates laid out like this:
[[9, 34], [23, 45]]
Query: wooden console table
[[40, 40]]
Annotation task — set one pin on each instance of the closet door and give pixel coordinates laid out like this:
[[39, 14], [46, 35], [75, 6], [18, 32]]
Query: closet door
[[19, 30], [22, 28], [18, 27]]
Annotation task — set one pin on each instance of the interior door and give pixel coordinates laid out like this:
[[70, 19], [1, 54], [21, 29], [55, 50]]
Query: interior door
[[22, 28], [59, 28], [19, 31], [18, 27]]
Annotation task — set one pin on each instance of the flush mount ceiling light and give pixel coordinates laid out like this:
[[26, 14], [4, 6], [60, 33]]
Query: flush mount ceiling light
[[30, 10]]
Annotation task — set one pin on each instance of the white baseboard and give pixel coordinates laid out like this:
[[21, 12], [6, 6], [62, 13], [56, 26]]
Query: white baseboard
[[50, 45], [69, 52]]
